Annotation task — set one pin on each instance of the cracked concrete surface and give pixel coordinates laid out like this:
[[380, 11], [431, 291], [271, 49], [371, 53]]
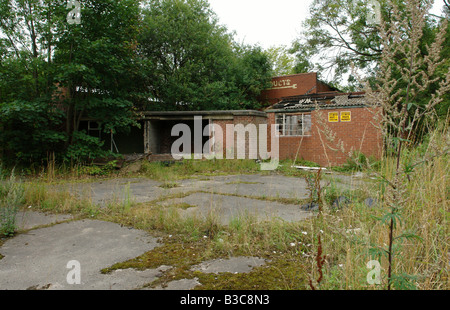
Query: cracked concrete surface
[[226, 208], [38, 258]]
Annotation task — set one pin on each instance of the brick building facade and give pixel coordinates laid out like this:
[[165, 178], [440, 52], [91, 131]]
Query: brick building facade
[[231, 139], [312, 121], [294, 85], [326, 128]]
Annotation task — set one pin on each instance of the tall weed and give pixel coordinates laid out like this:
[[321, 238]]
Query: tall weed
[[11, 198]]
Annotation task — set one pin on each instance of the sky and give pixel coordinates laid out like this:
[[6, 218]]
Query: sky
[[264, 22], [268, 22]]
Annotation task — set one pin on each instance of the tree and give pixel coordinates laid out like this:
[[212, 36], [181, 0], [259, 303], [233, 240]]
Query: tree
[[105, 66], [192, 61], [28, 120], [343, 37], [93, 62], [252, 74], [447, 4], [282, 60], [96, 64], [302, 62], [344, 32], [338, 33]]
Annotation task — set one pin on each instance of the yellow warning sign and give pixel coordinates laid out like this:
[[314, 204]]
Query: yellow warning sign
[[346, 116], [333, 117]]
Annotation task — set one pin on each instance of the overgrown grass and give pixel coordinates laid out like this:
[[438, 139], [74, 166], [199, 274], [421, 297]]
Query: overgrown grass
[[359, 162], [41, 196], [351, 236], [356, 234], [168, 172], [187, 168]]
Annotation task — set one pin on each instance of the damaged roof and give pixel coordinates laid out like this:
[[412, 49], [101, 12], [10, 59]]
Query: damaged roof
[[323, 100]]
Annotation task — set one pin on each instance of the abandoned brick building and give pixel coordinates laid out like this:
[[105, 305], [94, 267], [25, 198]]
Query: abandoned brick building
[[312, 121]]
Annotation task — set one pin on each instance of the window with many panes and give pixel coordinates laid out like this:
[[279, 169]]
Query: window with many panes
[[293, 124]]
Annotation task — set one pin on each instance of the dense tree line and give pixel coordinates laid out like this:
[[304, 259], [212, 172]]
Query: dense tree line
[[62, 61]]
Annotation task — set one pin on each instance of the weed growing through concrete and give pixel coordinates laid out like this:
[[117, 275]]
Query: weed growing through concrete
[[11, 198]]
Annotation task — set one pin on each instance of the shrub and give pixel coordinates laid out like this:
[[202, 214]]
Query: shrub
[[85, 148], [98, 170]]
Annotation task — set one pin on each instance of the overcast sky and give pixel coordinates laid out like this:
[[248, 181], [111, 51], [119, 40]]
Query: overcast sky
[[268, 22]]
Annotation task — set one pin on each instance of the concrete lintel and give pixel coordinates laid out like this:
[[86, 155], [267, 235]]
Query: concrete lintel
[[226, 114], [187, 118]]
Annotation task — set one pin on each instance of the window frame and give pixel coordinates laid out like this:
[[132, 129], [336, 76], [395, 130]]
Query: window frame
[[282, 132], [94, 131]]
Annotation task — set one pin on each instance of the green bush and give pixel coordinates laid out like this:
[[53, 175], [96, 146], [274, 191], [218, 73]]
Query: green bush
[[98, 170], [29, 131], [359, 162], [85, 148]]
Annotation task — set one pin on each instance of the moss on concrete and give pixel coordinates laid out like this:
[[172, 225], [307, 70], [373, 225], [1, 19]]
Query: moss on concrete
[[283, 270]]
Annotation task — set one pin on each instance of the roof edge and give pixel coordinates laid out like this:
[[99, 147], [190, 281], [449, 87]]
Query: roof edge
[[206, 113]]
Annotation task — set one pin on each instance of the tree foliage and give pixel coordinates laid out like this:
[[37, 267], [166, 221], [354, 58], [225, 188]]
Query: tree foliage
[[122, 57], [54, 73], [413, 78], [96, 65], [342, 38], [342, 33], [193, 62], [28, 120], [282, 60]]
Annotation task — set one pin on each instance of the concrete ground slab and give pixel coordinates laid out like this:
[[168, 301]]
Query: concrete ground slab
[[115, 190], [145, 190], [125, 279], [254, 185], [226, 207], [30, 219], [241, 264], [40, 257]]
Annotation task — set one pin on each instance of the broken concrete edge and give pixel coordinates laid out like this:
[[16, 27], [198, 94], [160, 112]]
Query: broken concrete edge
[[175, 285]]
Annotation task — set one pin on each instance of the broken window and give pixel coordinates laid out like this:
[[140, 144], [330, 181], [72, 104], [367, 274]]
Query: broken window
[[293, 124]]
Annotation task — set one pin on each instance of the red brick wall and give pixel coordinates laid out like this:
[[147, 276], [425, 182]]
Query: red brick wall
[[358, 135], [244, 120], [221, 140], [322, 87]]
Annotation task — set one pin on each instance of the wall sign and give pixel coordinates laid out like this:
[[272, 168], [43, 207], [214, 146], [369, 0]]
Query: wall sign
[[333, 117], [283, 84], [346, 116]]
